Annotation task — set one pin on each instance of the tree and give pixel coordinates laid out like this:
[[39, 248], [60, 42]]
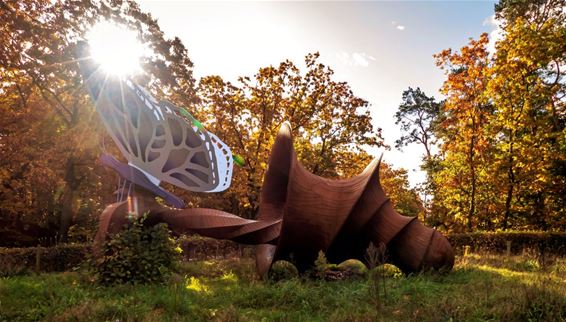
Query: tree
[[330, 124], [464, 143], [535, 13], [395, 183], [418, 114], [37, 42], [528, 88]]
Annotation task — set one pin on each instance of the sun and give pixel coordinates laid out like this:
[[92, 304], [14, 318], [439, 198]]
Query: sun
[[116, 48]]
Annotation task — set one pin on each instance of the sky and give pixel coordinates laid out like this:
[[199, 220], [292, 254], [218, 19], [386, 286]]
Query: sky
[[379, 48]]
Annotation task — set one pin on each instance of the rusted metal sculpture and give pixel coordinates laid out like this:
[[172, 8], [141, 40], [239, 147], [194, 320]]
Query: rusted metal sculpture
[[300, 213], [339, 217]]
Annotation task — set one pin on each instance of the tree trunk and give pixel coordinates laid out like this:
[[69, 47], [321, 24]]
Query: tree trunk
[[508, 206], [472, 208], [71, 184], [510, 184]]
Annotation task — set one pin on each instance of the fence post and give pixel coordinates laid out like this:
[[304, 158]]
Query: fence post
[[508, 248], [37, 260]]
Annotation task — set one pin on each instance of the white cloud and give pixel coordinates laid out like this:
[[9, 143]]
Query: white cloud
[[495, 34], [398, 26], [355, 59]]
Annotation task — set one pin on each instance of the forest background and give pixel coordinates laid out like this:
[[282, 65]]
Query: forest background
[[495, 146]]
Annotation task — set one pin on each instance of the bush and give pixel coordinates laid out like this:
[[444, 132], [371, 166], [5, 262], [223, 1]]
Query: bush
[[138, 254], [354, 267], [320, 265], [540, 242], [65, 257], [388, 271], [59, 258], [283, 270]]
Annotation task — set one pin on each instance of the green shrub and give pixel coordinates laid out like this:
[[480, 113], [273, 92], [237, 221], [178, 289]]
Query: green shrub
[[354, 267], [320, 265], [283, 270], [389, 271], [138, 254]]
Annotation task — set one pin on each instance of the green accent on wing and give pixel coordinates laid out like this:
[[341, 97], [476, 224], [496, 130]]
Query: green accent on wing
[[238, 160], [186, 114], [197, 124]]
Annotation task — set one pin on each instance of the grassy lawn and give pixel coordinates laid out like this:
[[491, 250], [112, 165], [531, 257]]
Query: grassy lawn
[[480, 288]]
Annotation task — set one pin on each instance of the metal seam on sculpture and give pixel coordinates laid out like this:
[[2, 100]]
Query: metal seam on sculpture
[[378, 211], [403, 229], [427, 249], [370, 176]]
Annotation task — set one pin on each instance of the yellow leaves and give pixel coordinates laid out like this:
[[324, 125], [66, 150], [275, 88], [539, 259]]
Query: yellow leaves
[[229, 276], [502, 121], [196, 285]]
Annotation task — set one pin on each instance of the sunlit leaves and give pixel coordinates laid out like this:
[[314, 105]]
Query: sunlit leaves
[[48, 129], [330, 124], [501, 163]]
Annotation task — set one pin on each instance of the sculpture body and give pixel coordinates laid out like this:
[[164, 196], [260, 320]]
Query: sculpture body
[[339, 217], [300, 213]]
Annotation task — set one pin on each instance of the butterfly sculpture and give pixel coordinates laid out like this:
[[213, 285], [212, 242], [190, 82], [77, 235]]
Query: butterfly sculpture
[[160, 141], [299, 213]]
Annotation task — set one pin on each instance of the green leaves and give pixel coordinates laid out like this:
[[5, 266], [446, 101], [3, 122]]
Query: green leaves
[[238, 160], [138, 254], [418, 116]]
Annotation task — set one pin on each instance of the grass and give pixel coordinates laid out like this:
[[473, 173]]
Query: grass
[[481, 288]]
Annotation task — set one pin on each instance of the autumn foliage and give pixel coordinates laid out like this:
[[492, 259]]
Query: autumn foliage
[[52, 185], [500, 132], [495, 147]]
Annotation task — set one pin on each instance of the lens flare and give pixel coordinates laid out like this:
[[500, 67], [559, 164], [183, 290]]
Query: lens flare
[[116, 48]]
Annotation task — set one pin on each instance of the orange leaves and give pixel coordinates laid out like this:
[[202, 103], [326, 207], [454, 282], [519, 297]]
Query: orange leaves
[[330, 123], [503, 115]]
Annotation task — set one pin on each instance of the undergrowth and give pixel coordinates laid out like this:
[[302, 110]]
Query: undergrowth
[[138, 254], [481, 288]]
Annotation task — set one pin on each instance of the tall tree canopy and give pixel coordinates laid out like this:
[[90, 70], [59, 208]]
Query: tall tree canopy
[[330, 124], [49, 133], [528, 88], [417, 115], [501, 130], [464, 141]]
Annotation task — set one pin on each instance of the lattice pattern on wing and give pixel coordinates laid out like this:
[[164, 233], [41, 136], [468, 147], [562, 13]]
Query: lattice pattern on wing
[[224, 163], [154, 138]]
